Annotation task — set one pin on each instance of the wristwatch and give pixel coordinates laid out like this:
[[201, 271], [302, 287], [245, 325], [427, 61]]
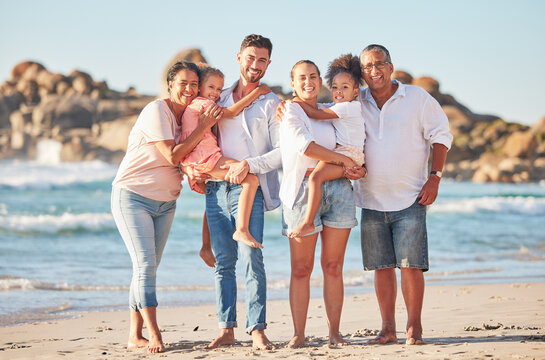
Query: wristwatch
[[439, 174]]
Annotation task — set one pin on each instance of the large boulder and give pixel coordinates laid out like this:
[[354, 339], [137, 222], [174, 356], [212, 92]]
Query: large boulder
[[539, 126], [8, 104], [114, 135], [192, 55], [429, 84], [29, 89], [520, 144], [73, 150], [26, 69], [82, 83], [65, 112], [402, 76], [108, 110], [49, 81], [458, 121]]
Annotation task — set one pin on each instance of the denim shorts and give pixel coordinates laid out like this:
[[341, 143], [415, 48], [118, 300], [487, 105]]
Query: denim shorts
[[337, 209], [395, 238]]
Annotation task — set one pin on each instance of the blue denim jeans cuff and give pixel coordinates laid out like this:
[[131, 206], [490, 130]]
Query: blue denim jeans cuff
[[227, 324], [261, 326]]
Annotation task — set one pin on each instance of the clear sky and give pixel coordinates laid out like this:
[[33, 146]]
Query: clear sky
[[490, 55]]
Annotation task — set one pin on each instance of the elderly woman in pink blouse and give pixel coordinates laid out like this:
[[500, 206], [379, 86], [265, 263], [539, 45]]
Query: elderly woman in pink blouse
[[145, 190]]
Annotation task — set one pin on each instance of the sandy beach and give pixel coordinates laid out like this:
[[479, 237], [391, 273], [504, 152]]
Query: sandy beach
[[505, 321]]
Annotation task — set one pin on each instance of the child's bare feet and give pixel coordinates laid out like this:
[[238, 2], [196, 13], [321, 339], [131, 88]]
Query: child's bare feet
[[296, 342], [156, 345], [136, 342], [246, 238], [302, 230], [207, 256]]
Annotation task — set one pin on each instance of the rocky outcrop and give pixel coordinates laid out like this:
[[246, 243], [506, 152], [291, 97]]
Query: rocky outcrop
[[92, 121], [72, 109], [486, 148]]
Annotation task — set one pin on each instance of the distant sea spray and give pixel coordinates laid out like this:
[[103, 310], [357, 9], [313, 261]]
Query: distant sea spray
[[529, 205]]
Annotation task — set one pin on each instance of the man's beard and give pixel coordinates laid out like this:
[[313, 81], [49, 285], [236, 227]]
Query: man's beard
[[251, 79]]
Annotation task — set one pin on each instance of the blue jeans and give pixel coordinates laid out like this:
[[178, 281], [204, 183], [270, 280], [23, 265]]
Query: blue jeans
[[395, 238], [221, 212], [144, 225]]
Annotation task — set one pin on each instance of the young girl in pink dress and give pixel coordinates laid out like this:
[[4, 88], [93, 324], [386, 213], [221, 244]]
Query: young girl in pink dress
[[206, 157]]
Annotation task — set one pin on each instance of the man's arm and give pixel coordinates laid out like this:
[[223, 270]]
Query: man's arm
[[428, 194]]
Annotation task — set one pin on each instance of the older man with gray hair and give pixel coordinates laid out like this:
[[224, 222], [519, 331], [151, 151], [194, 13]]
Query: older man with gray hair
[[402, 124]]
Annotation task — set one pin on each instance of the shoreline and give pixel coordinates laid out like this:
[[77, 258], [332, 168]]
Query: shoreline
[[460, 322], [64, 311]]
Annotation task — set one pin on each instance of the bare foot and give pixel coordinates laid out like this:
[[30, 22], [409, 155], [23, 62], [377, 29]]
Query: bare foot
[[302, 230], [384, 338], [260, 341], [137, 342], [246, 238], [227, 337], [296, 342], [207, 256], [414, 336], [156, 345], [337, 339]]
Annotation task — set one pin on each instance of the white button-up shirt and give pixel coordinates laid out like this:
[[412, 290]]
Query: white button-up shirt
[[297, 131], [262, 140], [397, 147]]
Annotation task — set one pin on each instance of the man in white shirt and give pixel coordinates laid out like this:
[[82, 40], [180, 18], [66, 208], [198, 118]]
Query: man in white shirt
[[402, 123], [252, 139]]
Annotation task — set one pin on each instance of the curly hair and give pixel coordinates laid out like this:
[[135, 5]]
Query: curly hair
[[345, 64]]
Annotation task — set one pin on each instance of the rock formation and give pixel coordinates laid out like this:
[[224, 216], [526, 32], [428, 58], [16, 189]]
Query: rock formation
[[92, 121], [486, 148], [72, 109]]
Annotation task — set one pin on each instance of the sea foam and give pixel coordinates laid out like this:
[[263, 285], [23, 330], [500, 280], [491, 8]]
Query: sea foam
[[512, 205], [34, 174], [56, 223]]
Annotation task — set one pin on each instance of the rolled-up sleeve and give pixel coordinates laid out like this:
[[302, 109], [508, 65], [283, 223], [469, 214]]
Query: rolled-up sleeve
[[435, 123]]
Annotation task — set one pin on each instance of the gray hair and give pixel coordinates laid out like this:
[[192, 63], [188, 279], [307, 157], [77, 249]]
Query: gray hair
[[376, 47]]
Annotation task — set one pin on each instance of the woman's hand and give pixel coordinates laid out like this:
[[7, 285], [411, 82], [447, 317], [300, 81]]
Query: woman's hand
[[210, 116]]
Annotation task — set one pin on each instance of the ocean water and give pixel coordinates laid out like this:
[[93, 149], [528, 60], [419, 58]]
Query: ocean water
[[60, 252]]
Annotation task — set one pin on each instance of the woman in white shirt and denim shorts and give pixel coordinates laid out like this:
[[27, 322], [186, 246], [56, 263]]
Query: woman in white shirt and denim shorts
[[304, 142]]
